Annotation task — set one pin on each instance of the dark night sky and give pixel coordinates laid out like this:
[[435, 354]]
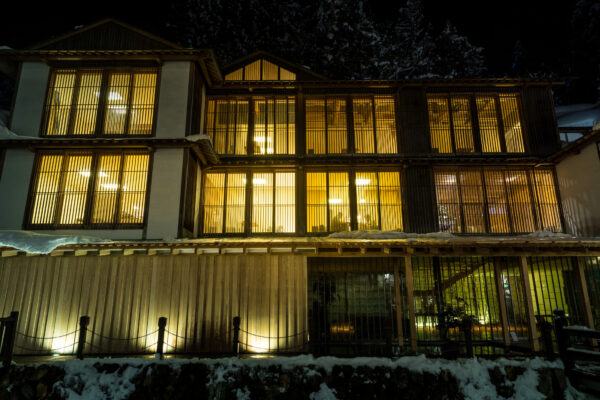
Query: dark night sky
[[541, 25]]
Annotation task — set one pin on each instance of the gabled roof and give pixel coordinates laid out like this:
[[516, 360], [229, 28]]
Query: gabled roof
[[302, 73], [107, 34]]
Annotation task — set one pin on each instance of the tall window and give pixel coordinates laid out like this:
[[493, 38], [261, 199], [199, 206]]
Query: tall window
[[327, 201], [452, 118], [272, 207], [378, 197], [326, 126], [100, 102], [261, 70], [374, 124], [274, 125], [496, 201], [227, 125], [89, 188]]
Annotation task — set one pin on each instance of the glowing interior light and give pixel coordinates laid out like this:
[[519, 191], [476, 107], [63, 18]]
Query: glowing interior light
[[362, 201], [335, 201], [259, 181], [102, 174], [114, 96], [110, 186], [85, 173], [362, 181]]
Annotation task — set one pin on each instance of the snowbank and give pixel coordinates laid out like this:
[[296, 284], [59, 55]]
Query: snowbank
[[197, 138], [41, 243], [394, 234], [549, 234], [325, 378]]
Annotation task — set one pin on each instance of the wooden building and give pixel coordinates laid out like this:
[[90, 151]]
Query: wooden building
[[239, 190]]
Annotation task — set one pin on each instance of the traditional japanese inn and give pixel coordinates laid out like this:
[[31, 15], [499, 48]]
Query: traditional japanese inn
[[341, 217]]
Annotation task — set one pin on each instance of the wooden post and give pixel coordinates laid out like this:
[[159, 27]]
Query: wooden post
[[84, 321], [533, 333], [398, 306], [411, 302], [560, 321], [587, 307], [162, 323], [8, 341], [546, 329], [467, 328], [501, 303], [236, 336]]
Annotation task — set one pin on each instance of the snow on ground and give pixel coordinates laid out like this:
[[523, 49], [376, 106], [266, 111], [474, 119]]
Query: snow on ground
[[82, 380], [41, 243], [549, 234], [394, 234], [197, 138]]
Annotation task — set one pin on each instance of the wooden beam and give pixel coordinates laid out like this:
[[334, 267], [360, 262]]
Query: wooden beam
[[411, 302], [398, 306], [587, 307], [533, 333], [501, 302]]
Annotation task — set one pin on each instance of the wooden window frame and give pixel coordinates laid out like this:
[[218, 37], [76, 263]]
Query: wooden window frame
[[105, 72], [531, 187], [248, 205], [349, 124], [475, 127], [352, 131], [89, 197]]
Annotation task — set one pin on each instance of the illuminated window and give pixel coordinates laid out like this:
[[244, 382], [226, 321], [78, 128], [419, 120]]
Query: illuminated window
[[90, 188], [261, 70], [77, 99], [227, 125], [272, 207], [326, 126], [378, 197], [374, 124], [497, 201], [274, 125], [327, 201], [497, 116]]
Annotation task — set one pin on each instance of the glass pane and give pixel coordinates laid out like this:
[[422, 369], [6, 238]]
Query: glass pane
[[74, 189], [390, 200], [107, 189], [286, 75], [385, 123], [252, 71], [448, 202], [86, 107], [488, 124], [213, 202], [339, 202], [285, 202], [315, 127], [439, 124], [60, 97], [363, 125], [142, 105], [336, 126], [235, 75], [511, 120], [367, 197], [117, 101], [548, 213], [461, 123], [274, 126], [133, 196], [497, 201], [316, 201], [236, 203], [262, 202], [520, 201], [472, 201], [46, 189], [269, 71]]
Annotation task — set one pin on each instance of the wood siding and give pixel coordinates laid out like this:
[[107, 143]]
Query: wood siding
[[125, 295], [420, 211], [540, 121], [412, 110]]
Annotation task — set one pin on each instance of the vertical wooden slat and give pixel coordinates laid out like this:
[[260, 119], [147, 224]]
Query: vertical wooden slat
[[398, 305], [501, 301], [411, 302], [587, 307], [533, 333]]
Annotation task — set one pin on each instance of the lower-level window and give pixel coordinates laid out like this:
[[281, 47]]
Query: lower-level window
[[496, 200], [78, 189], [272, 207]]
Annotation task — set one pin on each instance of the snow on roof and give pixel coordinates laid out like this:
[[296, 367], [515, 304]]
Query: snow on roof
[[578, 115], [40, 243]]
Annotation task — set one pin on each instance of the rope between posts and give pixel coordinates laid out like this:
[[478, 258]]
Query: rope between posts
[[274, 337], [122, 339], [267, 349], [45, 338], [41, 350], [150, 345]]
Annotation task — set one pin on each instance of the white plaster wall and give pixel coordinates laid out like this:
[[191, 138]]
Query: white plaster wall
[[14, 187], [171, 120], [31, 95], [579, 183], [165, 194]]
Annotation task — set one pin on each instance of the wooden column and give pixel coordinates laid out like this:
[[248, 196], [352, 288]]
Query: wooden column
[[398, 305], [533, 333], [411, 302], [587, 307], [501, 301]]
